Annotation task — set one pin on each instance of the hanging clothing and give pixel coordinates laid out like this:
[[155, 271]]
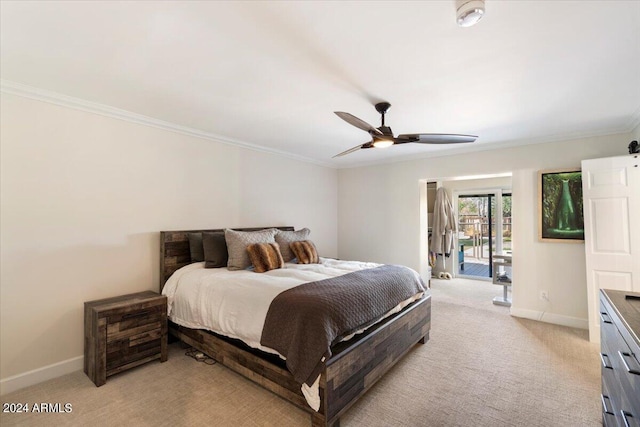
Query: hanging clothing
[[444, 224]]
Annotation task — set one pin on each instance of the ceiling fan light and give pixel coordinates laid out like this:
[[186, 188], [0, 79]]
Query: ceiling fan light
[[382, 143], [470, 12]]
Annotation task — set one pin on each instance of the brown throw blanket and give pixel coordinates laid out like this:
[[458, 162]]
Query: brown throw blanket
[[303, 322]]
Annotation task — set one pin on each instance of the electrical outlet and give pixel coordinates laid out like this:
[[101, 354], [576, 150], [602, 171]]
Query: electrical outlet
[[544, 295]]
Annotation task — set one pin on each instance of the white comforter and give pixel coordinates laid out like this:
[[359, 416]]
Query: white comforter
[[235, 303]]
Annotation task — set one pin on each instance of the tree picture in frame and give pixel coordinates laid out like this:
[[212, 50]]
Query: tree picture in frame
[[560, 206]]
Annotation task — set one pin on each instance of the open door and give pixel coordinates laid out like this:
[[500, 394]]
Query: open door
[[484, 229], [611, 193]]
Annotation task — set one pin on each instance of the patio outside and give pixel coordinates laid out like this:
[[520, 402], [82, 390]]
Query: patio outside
[[473, 233]]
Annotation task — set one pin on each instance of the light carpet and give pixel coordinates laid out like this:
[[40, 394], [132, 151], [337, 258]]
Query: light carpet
[[481, 367]]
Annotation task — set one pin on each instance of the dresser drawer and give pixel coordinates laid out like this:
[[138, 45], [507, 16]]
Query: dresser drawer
[[618, 386], [134, 323], [620, 365], [139, 347], [608, 413]]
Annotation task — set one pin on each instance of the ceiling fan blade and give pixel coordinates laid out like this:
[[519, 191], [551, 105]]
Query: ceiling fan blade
[[359, 123], [354, 149], [435, 138], [350, 150]]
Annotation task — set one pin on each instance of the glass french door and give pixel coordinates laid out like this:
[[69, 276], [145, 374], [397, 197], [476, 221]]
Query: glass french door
[[484, 228]]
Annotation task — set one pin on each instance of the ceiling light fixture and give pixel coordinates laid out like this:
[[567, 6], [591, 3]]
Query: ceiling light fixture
[[382, 143], [469, 12]]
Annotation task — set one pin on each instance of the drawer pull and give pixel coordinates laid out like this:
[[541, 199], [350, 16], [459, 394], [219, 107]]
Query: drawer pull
[[605, 363], [605, 405], [625, 417], [605, 317], [626, 356]]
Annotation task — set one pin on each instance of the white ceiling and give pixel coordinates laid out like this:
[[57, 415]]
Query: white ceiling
[[270, 74]]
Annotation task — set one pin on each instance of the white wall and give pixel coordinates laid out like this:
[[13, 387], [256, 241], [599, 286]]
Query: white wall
[[379, 218], [84, 197]]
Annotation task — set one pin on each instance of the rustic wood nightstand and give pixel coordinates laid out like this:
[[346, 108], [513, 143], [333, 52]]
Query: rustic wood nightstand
[[123, 332]]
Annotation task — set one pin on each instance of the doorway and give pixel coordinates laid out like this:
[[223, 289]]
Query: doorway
[[484, 229]]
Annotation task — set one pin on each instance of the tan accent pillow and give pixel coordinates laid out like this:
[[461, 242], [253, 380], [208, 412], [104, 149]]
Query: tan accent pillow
[[306, 252], [237, 242], [285, 238], [265, 256]]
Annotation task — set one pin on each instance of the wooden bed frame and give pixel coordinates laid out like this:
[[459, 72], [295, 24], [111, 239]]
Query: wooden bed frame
[[356, 365]]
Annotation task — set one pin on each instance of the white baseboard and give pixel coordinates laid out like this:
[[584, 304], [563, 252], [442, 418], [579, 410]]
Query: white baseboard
[[16, 382], [556, 319]]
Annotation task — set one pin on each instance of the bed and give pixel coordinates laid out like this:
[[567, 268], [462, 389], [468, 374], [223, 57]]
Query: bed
[[354, 367]]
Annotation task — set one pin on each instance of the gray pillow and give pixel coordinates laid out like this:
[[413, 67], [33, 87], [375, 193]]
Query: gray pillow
[[237, 242], [195, 247], [215, 249], [285, 238]]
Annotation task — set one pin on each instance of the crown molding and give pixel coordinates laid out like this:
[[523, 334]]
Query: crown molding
[[51, 97], [25, 91]]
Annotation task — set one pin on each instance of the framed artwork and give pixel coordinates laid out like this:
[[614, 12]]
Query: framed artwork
[[560, 206]]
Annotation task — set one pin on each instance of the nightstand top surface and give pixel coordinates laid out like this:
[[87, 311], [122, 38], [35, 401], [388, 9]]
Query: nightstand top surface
[[124, 301]]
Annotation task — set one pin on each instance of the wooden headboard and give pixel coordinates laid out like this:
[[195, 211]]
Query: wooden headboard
[[175, 253]]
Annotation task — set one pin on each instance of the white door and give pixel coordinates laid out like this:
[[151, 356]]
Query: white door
[[611, 192]]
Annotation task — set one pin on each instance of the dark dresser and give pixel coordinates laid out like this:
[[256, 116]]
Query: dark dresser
[[620, 354]]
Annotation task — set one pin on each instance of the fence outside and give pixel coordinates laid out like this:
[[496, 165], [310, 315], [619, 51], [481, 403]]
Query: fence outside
[[473, 232]]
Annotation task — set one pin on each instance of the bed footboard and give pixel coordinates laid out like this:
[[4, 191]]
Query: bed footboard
[[355, 366]]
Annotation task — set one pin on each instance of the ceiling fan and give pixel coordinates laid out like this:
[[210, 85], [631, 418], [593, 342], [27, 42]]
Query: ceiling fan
[[383, 136]]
